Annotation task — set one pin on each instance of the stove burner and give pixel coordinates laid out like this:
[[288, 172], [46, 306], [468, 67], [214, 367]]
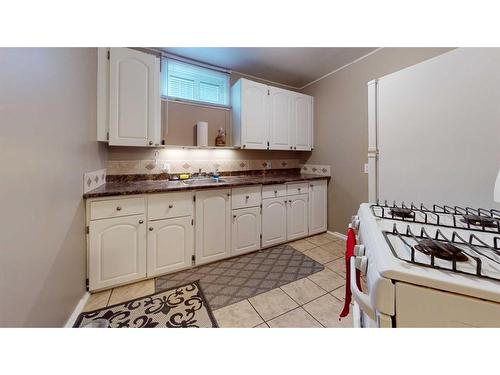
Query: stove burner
[[441, 250], [404, 213], [480, 221]]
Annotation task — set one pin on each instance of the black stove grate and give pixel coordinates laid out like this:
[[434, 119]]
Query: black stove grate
[[472, 248], [476, 219]]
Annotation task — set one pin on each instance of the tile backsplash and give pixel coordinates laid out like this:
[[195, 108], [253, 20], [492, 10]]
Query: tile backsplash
[[121, 167], [92, 180], [323, 170]]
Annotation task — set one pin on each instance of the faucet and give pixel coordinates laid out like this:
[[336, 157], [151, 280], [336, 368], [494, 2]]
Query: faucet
[[199, 174]]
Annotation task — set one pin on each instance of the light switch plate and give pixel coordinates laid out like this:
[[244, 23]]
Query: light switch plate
[[366, 168]]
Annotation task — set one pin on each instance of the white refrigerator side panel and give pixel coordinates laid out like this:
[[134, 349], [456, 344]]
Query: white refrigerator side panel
[[439, 130]]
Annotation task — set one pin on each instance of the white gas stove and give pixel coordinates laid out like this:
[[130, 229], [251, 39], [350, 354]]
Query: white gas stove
[[436, 267]]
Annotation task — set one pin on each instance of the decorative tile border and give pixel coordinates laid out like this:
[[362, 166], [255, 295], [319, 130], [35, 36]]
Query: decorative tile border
[[126, 167], [322, 170], [92, 180]]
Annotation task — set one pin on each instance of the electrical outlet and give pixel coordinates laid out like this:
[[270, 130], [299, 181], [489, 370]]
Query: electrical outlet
[[165, 167], [366, 168], [268, 165]]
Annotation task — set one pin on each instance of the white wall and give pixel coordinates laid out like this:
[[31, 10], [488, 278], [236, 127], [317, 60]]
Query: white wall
[[47, 142]]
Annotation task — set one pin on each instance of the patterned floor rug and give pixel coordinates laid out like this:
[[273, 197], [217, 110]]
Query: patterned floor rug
[[233, 280], [180, 307]]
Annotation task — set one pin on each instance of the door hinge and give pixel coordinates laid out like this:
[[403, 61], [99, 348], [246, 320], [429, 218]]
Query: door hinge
[[107, 136], [194, 198], [192, 221], [261, 236], [87, 283], [268, 92], [268, 145], [193, 259], [87, 230], [108, 54]]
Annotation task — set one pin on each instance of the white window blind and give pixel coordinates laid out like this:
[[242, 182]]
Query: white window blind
[[194, 83]]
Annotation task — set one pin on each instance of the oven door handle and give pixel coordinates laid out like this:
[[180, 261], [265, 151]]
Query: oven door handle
[[361, 298]]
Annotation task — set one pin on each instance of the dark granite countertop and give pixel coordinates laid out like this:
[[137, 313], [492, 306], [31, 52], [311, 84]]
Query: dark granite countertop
[[163, 186]]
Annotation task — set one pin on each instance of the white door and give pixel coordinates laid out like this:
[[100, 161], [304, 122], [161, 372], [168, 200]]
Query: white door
[[213, 225], [317, 206], [254, 115], [170, 245], [117, 251], [280, 118], [273, 221], [134, 98], [297, 219], [245, 235], [301, 121]]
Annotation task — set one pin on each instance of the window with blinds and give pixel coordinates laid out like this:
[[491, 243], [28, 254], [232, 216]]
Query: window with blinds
[[194, 83]]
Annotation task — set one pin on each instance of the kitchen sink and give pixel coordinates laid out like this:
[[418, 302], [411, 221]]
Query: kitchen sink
[[202, 181]]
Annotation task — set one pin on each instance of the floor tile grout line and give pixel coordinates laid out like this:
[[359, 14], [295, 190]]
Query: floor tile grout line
[[250, 302], [295, 308], [298, 303]]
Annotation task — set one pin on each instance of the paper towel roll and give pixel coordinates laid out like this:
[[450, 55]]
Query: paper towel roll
[[202, 133]]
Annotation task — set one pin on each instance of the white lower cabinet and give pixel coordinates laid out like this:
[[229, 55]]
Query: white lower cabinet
[[170, 245], [245, 234], [317, 206], [117, 251], [213, 225], [273, 221], [297, 221]]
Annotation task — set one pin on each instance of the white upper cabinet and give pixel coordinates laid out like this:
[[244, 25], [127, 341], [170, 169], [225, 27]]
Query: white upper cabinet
[[250, 114], [280, 118], [134, 98], [266, 117], [302, 122]]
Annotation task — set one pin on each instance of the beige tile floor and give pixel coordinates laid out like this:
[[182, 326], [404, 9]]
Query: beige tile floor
[[312, 302]]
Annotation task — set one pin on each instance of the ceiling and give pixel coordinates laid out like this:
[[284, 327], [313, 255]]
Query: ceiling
[[294, 67]]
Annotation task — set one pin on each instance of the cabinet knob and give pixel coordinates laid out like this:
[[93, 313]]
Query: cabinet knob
[[228, 194], [291, 147], [170, 206], [276, 192], [118, 208], [289, 201], [234, 216], [247, 197], [151, 229], [150, 143], [244, 146], [298, 189], [141, 221]]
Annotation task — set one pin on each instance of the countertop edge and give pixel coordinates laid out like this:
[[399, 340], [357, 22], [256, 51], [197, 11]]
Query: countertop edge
[[97, 194]]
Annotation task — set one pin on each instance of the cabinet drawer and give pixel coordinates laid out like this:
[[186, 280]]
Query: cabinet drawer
[[273, 191], [246, 197], [294, 189], [116, 207], [164, 206]]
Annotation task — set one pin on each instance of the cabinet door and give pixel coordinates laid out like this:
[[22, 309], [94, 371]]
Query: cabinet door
[[134, 98], [213, 225], [170, 245], [273, 221], [246, 230], [297, 219], [280, 118], [301, 122], [317, 206], [254, 115], [117, 251]]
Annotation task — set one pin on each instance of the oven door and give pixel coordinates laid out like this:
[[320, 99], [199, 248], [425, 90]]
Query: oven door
[[364, 314]]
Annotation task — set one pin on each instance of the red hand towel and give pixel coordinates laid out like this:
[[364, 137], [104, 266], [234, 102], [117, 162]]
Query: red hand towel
[[349, 252]]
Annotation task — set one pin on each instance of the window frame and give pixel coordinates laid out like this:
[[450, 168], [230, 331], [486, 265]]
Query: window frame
[[164, 85]]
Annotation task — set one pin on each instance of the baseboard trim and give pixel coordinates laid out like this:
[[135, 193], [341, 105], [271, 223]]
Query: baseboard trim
[[78, 309], [337, 234]]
